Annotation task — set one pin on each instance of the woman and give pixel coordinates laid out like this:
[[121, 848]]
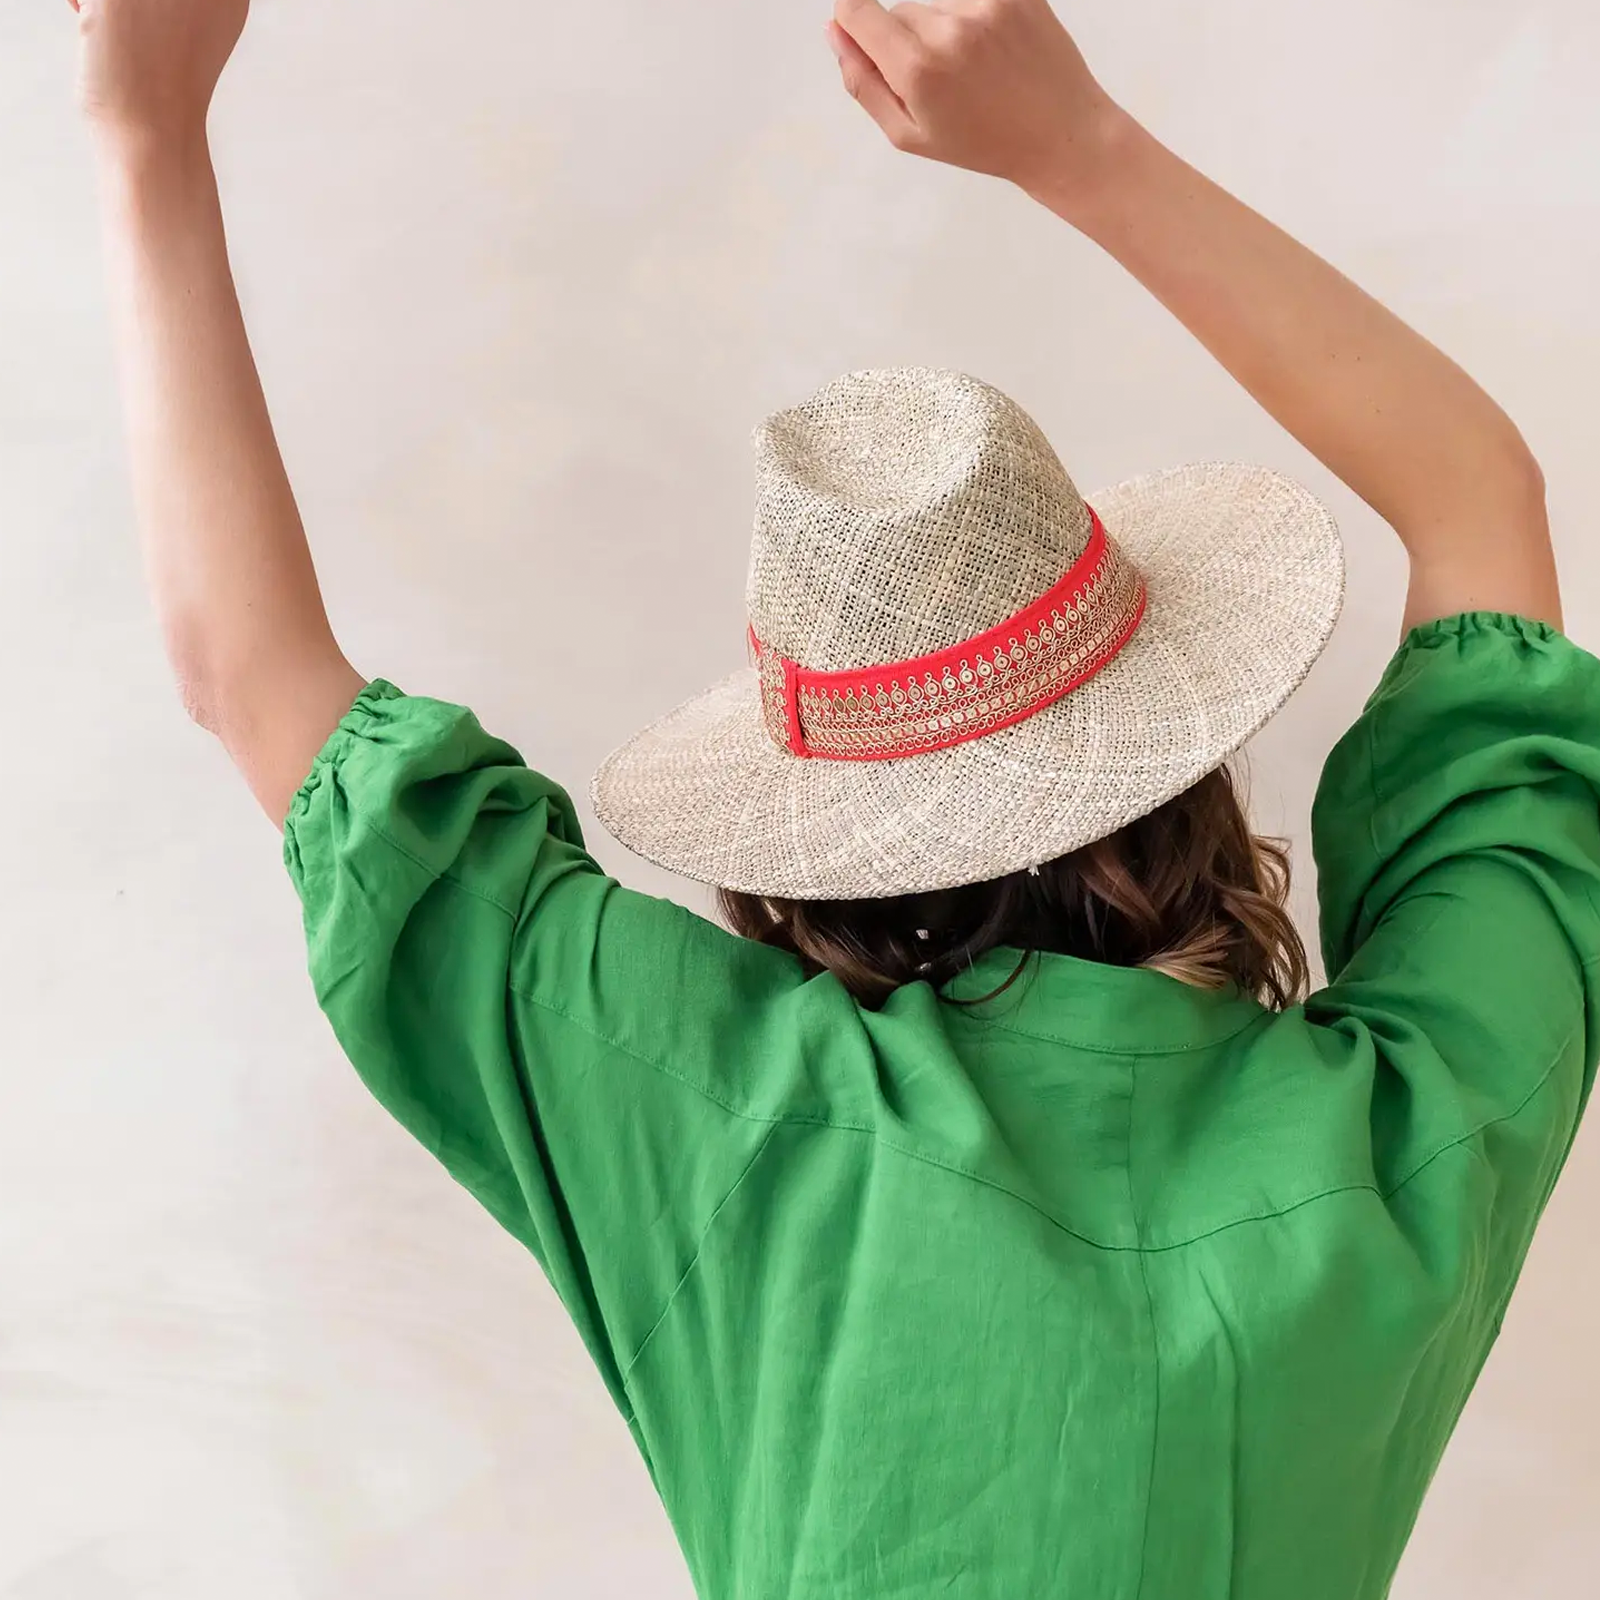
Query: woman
[[995, 1218]]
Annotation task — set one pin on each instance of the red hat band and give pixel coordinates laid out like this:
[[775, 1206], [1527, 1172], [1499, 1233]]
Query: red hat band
[[975, 687]]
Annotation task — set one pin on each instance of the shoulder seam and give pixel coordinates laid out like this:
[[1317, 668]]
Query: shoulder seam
[[1489, 1122], [448, 877], [584, 1026]]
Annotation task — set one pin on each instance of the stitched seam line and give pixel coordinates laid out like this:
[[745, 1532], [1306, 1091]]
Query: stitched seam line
[[584, 1026], [799, 1119], [1155, 1342], [700, 1243], [1121, 1050], [433, 872], [1492, 1122]]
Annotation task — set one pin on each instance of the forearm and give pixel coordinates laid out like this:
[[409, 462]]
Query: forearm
[[225, 550], [1386, 411]]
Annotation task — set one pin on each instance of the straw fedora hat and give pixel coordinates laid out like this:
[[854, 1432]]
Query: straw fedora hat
[[959, 666]]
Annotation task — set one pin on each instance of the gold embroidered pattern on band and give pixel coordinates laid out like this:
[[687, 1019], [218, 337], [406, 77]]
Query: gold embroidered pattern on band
[[774, 697], [910, 714]]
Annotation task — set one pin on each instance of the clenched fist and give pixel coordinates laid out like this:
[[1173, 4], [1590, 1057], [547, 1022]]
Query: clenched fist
[[997, 86], [151, 66]]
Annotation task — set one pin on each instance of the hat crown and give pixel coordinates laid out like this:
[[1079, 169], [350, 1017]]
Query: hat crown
[[899, 511]]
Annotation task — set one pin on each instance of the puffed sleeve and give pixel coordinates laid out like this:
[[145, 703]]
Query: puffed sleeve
[[1457, 839], [598, 1067]]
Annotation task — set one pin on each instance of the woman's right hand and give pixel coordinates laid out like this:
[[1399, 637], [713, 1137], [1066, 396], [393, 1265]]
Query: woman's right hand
[[996, 86]]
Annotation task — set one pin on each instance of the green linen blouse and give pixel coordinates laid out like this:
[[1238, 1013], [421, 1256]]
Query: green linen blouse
[[1112, 1288]]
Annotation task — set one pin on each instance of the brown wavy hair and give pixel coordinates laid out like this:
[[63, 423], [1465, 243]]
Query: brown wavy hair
[[1189, 890]]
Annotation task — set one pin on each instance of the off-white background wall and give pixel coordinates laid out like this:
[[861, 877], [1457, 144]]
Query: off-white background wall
[[521, 278]]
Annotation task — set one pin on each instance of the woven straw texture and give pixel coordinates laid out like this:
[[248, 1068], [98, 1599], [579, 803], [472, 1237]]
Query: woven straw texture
[[901, 510]]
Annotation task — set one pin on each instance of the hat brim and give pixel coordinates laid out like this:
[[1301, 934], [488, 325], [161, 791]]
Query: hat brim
[[1245, 574]]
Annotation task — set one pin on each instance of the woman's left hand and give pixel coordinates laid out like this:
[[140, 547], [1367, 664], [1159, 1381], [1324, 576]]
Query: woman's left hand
[[150, 67], [996, 86]]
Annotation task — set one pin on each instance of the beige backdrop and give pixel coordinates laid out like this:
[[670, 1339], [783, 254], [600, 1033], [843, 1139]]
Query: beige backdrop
[[521, 279]]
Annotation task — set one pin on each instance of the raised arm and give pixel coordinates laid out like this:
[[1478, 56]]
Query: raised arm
[[226, 554], [998, 86]]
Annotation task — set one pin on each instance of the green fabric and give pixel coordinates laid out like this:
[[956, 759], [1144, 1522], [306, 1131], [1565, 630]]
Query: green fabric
[[1115, 1289]]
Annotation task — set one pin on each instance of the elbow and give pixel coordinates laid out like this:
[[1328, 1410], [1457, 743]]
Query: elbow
[[1527, 475], [1504, 495], [1515, 468], [213, 680], [197, 681], [199, 700]]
